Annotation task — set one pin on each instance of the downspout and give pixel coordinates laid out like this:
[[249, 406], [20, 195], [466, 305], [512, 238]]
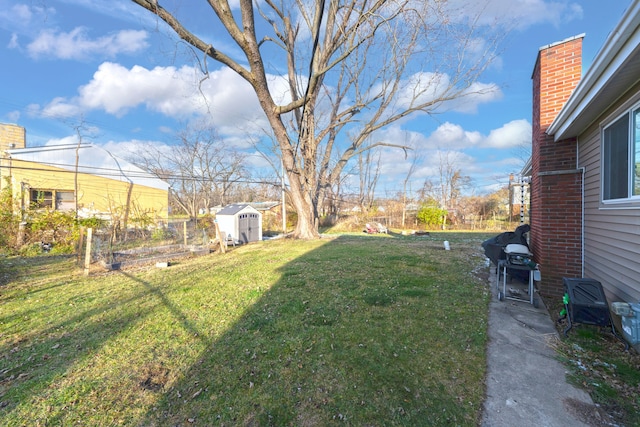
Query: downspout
[[582, 222], [582, 170]]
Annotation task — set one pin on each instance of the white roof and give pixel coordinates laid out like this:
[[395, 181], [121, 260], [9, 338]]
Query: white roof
[[235, 209], [92, 160]]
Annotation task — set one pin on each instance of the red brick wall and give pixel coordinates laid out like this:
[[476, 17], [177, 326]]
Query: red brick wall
[[556, 185]]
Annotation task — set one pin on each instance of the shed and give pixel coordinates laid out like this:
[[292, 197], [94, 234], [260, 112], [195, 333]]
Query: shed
[[240, 222]]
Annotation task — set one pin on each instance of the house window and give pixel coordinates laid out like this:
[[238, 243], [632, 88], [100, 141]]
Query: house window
[[44, 199], [65, 201], [621, 158]]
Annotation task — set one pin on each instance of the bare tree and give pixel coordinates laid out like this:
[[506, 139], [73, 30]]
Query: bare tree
[[369, 173], [415, 157], [201, 169], [447, 186], [350, 65]]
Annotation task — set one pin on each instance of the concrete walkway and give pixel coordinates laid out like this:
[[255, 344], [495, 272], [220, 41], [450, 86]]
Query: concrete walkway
[[526, 384]]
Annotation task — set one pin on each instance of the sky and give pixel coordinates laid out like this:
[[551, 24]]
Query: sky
[[109, 72]]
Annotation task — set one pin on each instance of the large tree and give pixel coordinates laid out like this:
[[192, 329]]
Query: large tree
[[351, 66]]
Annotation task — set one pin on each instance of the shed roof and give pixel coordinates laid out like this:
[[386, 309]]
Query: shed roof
[[235, 208], [92, 160]]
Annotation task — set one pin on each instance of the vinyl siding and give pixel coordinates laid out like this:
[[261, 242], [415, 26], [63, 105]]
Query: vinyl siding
[[611, 234]]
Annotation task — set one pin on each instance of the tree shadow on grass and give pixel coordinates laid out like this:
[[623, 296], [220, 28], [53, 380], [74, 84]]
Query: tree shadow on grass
[[37, 361], [338, 339], [355, 331]]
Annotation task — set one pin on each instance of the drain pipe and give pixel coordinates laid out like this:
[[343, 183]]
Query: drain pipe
[[582, 258], [582, 170]]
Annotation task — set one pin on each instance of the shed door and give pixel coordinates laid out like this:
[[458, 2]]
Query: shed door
[[248, 227], [254, 227]]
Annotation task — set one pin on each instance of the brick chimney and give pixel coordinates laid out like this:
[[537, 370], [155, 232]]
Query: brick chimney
[[556, 183]]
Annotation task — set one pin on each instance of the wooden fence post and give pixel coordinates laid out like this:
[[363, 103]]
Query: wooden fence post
[[184, 232], [80, 246], [87, 256]]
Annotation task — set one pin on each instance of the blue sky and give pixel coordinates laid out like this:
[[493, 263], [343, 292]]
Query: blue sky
[[106, 65]]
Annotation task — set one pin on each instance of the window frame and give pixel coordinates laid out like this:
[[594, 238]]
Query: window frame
[[45, 203], [54, 202], [632, 117]]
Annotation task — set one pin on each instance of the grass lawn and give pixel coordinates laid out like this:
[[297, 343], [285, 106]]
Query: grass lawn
[[348, 330]]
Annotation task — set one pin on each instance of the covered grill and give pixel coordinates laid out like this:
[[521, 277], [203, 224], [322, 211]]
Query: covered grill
[[511, 255], [494, 247]]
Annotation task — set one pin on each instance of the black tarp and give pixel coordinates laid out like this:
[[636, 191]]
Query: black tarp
[[494, 247]]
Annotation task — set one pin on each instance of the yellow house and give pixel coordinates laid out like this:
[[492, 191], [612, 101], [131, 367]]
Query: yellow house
[[83, 178]]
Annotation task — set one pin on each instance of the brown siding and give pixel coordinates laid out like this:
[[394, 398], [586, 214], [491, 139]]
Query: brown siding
[[611, 235]]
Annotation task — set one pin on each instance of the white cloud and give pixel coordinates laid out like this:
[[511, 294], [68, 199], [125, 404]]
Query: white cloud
[[13, 116], [476, 94], [13, 43], [224, 98], [57, 108], [521, 14], [516, 133], [454, 137], [77, 45], [117, 89], [131, 148], [21, 17], [478, 155], [21, 12], [427, 87], [66, 140], [513, 134]]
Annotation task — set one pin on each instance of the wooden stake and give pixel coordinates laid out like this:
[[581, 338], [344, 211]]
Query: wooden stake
[[87, 256], [184, 232], [80, 246]]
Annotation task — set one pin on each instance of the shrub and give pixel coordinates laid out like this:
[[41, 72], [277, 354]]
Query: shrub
[[9, 223], [431, 215]]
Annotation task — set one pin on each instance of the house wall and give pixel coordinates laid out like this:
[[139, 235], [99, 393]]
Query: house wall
[[556, 182], [611, 234], [96, 195], [12, 134]]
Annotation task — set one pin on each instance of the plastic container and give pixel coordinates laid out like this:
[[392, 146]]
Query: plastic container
[[631, 325]]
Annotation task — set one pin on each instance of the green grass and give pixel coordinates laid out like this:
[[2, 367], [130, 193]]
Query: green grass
[[349, 330]]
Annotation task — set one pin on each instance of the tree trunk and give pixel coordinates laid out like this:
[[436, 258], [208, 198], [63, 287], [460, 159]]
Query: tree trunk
[[307, 211], [307, 224]]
